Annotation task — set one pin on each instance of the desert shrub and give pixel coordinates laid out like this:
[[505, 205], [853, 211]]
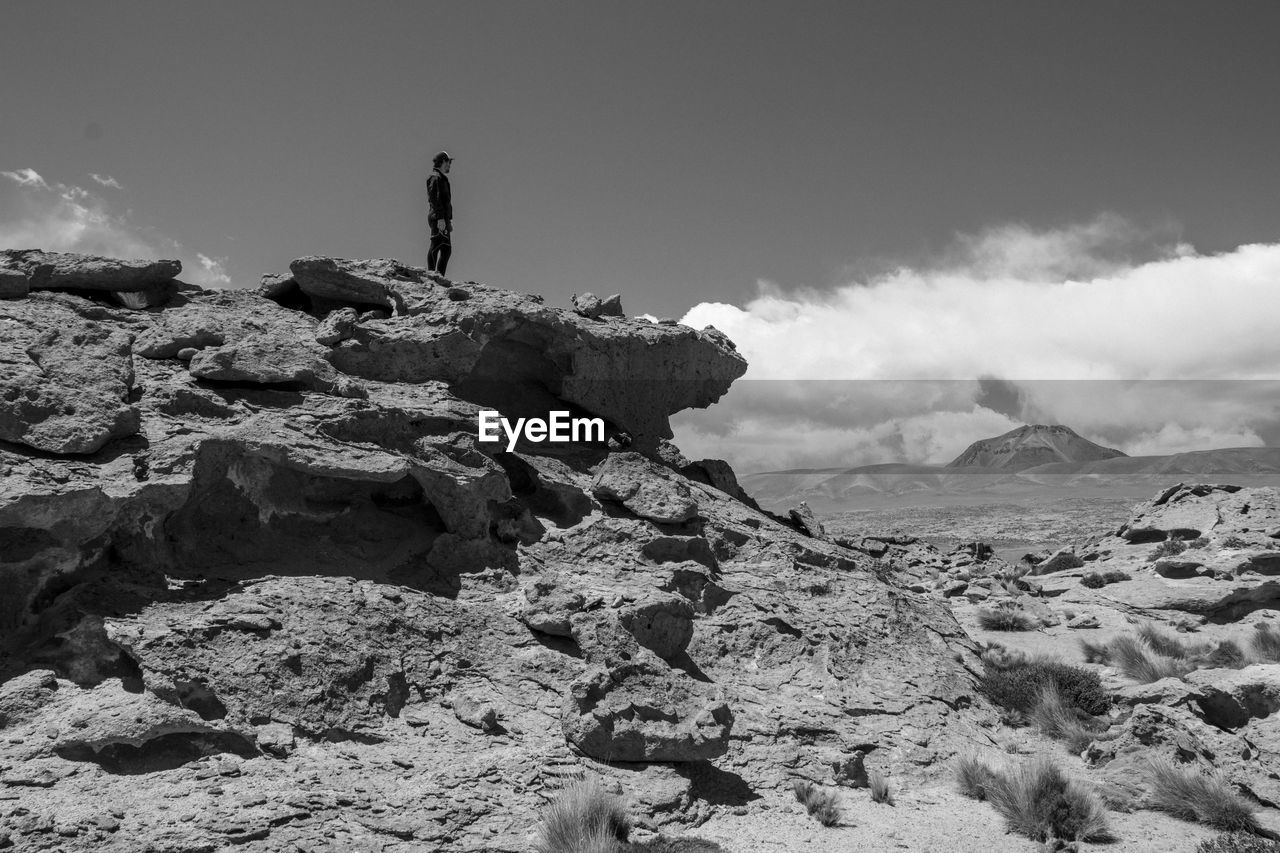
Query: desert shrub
[[879, 786], [1162, 643], [972, 777], [997, 656], [1058, 720], [1234, 542], [1198, 542], [1238, 842], [1095, 652], [1037, 800], [1186, 793], [585, 818], [1142, 664], [1266, 642], [1017, 687], [1097, 580], [1167, 548], [1005, 619], [1227, 655], [817, 801]]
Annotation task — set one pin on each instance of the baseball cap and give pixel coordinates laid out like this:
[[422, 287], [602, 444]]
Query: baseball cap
[[441, 157]]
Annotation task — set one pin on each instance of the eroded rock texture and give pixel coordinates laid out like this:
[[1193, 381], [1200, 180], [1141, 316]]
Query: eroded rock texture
[[265, 587]]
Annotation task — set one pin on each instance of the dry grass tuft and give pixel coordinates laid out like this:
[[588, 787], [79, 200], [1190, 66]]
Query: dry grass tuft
[[1143, 664], [880, 792], [1266, 642], [1095, 652], [972, 777], [1162, 643], [1186, 793], [1056, 719], [1006, 619], [1037, 800], [1167, 548], [817, 801], [585, 818]]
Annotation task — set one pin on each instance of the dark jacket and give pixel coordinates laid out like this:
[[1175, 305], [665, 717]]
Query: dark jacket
[[439, 199]]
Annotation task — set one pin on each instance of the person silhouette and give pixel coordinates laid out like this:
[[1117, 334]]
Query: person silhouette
[[440, 213]]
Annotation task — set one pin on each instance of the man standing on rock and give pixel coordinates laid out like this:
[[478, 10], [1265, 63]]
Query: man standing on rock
[[440, 213]]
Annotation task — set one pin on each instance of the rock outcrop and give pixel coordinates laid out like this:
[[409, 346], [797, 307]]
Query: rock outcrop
[[1200, 549], [259, 568]]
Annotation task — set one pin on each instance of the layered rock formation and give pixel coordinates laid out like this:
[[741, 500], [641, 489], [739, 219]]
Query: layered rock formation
[[265, 586]]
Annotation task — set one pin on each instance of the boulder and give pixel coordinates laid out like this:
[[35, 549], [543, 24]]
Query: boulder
[[264, 361], [661, 622], [59, 271], [630, 706], [1178, 513], [336, 326], [359, 283], [588, 305], [645, 488], [611, 306], [550, 606], [806, 521], [639, 713], [1058, 561], [1231, 698], [65, 381]]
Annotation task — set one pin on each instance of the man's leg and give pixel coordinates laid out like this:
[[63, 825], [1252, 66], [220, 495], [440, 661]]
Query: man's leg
[[433, 254], [442, 256]]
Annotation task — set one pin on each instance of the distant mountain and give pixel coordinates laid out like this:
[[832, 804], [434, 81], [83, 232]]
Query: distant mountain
[[1030, 446], [831, 490]]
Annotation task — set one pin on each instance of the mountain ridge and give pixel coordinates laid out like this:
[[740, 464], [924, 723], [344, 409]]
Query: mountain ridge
[[1031, 445]]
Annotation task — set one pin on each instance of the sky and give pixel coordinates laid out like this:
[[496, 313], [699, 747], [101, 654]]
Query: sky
[[857, 191]]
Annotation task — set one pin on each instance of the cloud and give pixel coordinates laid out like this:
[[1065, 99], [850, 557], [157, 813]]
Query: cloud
[[58, 217], [215, 271], [1124, 333], [106, 180], [26, 178]]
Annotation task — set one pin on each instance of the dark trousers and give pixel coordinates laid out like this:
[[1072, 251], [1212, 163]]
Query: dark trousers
[[438, 254]]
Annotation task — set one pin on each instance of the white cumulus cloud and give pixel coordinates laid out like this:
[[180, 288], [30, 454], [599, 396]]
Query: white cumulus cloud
[[58, 217], [106, 180], [215, 270], [1124, 333], [26, 178]]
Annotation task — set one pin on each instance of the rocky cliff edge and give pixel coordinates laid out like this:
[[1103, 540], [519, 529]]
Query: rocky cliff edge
[[265, 587]]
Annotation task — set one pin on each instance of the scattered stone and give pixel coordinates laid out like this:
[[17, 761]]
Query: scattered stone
[[1059, 561], [806, 521], [336, 326], [611, 306], [474, 713], [550, 606], [645, 488], [588, 305]]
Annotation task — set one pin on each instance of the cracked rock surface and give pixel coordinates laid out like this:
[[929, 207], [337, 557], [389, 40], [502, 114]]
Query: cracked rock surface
[[266, 588]]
